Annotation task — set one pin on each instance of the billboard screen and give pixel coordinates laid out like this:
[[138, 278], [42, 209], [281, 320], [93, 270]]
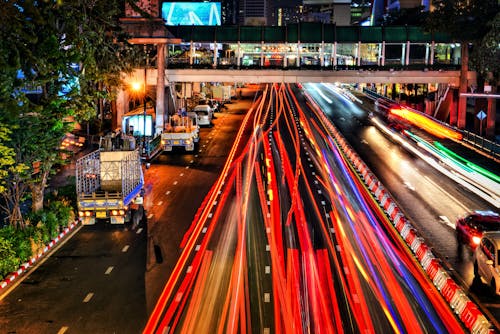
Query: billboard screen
[[191, 13]]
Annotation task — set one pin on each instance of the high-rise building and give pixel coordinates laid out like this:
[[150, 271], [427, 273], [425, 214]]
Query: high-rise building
[[328, 11], [282, 12], [253, 12], [381, 7]]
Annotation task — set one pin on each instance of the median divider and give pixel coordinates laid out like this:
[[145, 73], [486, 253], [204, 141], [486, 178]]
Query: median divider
[[465, 309], [25, 266]]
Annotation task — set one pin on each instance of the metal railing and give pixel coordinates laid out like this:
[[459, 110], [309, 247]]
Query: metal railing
[[486, 146]]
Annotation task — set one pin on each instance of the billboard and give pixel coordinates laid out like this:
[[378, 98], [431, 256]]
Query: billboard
[[191, 13]]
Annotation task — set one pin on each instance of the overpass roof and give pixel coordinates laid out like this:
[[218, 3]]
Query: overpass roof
[[307, 32]]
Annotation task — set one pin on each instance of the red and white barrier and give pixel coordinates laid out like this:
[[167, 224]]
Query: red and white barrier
[[23, 267], [464, 308]]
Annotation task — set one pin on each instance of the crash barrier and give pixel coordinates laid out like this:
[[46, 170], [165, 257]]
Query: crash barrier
[[24, 267], [466, 310]]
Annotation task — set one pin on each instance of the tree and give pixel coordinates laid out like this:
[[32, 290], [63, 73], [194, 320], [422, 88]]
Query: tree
[[52, 51], [467, 21]]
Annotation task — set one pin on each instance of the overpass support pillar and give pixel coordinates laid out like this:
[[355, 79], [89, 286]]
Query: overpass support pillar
[[462, 100], [491, 117], [160, 88]]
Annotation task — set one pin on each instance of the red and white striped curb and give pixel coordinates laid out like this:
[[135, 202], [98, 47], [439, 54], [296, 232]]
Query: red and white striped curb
[[466, 310], [12, 276]]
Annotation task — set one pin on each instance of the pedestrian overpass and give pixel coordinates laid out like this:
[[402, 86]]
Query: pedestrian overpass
[[300, 52]]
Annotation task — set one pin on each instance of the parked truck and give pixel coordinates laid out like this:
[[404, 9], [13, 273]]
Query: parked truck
[[181, 131], [109, 182]]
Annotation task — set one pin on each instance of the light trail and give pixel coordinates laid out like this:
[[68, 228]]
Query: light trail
[[276, 211]]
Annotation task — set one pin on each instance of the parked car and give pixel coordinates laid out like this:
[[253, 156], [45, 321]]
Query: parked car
[[486, 257], [205, 114], [470, 228]]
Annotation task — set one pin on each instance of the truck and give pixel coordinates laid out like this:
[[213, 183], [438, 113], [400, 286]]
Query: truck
[[222, 93], [110, 181], [180, 131]]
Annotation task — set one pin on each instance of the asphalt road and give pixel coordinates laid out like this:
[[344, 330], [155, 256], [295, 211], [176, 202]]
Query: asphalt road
[[94, 283], [106, 279], [430, 200]]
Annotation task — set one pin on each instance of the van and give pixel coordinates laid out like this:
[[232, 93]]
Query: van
[[486, 260], [205, 114]]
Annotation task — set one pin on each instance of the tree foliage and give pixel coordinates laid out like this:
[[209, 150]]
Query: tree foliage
[[53, 70], [474, 22]]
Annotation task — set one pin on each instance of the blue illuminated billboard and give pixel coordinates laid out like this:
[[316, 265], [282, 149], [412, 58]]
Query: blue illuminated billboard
[[191, 13]]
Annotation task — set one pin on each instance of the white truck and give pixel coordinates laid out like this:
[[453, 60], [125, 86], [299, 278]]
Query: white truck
[[222, 93], [181, 131], [109, 183]]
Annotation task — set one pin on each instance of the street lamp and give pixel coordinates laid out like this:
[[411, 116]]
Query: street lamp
[[144, 114]]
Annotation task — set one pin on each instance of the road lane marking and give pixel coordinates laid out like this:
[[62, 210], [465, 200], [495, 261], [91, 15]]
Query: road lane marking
[[409, 186], [63, 330], [187, 167], [109, 270], [364, 141], [167, 193], [191, 161], [124, 249], [446, 221], [182, 174], [150, 216], [175, 183], [268, 270], [451, 197], [267, 297], [160, 203], [88, 297], [139, 230]]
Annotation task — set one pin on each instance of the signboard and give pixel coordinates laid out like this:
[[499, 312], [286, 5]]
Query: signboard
[[481, 115], [191, 13]]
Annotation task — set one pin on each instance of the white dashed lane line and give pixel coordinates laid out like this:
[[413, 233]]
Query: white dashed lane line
[[109, 270], [88, 297], [444, 220], [160, 203], [139, 230], [124, 249], [167, 193], [63, 330]]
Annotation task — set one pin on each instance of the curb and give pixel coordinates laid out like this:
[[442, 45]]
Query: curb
[[25, 266], [466, 310]]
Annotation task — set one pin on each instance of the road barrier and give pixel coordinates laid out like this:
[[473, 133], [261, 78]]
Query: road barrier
[[466, 310], [12, 276]]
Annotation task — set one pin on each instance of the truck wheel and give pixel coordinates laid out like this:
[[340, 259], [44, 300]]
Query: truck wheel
[[493, 287]]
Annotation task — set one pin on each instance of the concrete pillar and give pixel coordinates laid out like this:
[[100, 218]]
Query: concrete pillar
[[298, 54], [462, 100], [216, 51], [382, 58], [403, 51], [238, 57], [334, 55], [407, 53], [322, 54], [433, 46], [285, 56], [491, 119], [160, 88], [453, 107], [262, 54], [358, 54], [426, 60], [191, 52]]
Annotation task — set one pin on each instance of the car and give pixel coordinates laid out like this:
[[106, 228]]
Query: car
[[486, 257], [470, 227], [204, 113]]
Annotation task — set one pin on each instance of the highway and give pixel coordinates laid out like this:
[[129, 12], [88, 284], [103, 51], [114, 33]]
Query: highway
[[430, 200], [290, 241]]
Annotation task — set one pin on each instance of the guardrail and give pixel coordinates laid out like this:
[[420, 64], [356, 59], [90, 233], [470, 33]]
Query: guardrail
[[456, 297], [488, 147]]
